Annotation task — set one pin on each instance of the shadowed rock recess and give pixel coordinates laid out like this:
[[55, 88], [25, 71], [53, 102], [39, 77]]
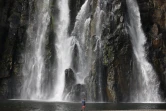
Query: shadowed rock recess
[[114, 65]]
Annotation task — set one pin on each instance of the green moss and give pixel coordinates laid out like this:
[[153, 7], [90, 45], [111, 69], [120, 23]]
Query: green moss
[[108, 55]]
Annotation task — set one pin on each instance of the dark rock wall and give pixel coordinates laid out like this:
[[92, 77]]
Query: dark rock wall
[[117, 52], [13, 21], [116, 55]]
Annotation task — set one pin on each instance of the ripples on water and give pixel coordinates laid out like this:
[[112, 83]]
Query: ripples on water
[[15, 105]]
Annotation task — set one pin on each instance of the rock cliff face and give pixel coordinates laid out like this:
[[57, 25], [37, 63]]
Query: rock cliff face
[[117, 53], [115, 60], [13, 22]]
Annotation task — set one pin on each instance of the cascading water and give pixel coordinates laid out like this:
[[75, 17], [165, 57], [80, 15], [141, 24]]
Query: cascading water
[[83, 71], [81, 18], [82, 36], [34, 66], [63, 48], [81, 31], [99, 15], [78, 40], [148, 88]]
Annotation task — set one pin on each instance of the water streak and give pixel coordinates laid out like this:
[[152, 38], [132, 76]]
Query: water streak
[[100, 18], [81, 33], [63, 48], [148, 88], [81, 18], [79, 37], [34, 66]]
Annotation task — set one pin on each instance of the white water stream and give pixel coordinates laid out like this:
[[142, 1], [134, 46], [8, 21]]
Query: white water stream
[[149, 89], [100, 18], [63, 48], [34, 66], [81, 31]]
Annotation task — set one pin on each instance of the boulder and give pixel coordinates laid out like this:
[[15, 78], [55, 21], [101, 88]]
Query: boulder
[[70, 80], [75, 58], [78, 92]]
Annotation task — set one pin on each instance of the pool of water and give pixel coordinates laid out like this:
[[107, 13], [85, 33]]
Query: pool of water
[[22, 105]]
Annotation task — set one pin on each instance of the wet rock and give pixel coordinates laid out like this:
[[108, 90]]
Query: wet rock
[[157, 41], [78, 92], [4, 89], [144, 7], [11, 45], [157, 16], [91, 85], [115, 46], [75, 58], [70, 80], [111, 86], [108, 54], [155, 30]]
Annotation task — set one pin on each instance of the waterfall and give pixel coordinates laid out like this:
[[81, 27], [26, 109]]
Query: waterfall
[[81, 33], [100, 18], [35, 78], [83, 71], [34, 66], [81, 18], [63, 48], [148, 85]]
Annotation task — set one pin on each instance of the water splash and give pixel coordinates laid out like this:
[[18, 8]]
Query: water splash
[[34, 66], [148, 88]]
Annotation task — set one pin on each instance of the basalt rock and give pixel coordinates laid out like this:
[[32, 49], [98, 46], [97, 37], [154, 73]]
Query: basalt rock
[[78, 92], [75, 58], [13, 22], [115, 60], [70, 80]]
